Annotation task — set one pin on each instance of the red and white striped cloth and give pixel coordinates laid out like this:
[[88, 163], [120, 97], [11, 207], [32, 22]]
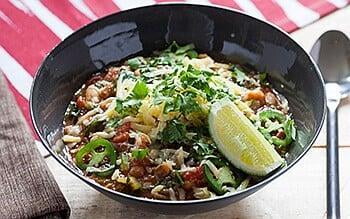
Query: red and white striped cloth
[[31, 28]]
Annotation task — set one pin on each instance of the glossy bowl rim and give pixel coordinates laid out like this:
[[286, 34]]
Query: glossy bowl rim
[[249, 190]]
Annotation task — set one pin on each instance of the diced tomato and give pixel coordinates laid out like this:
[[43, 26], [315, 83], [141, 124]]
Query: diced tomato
[[81, 102], [195, 177]]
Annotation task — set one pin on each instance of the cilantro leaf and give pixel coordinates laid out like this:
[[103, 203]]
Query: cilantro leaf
[[183, 49], [134, 63], [132, 103], [162, 60], [127, 107], [174, 51], [173, 104], [174, 132], [189, 103], [112, 123], [202, 149], [172, 47], [140, 90], [192, 54], [140, 153], [238, 75]]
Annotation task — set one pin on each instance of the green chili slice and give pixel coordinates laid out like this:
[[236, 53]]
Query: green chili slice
[[98, 149], [225, 178], [272, 114], [213, 183], [289, 129], [284, 122]]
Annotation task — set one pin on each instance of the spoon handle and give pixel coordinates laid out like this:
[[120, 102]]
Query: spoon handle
[[333, 203]]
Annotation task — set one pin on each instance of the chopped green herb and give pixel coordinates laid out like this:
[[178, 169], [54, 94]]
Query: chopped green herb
[[174, 132], [179, 178], [140, 90], [183, 49], [140, 153], [127, 107], [192, 54], [238, 75], [124, 165], [134, 63], [112, 123], [94, 126]]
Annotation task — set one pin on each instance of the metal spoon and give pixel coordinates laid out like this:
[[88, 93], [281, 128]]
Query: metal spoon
[[332, 54]]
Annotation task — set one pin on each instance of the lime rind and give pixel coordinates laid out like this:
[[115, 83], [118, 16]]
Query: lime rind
[[240, 142]]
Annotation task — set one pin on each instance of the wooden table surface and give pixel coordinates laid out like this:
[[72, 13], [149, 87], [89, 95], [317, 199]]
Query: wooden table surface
[[300, 193]]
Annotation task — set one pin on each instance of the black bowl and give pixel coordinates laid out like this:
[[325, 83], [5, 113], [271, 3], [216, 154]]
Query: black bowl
[[224, 34]]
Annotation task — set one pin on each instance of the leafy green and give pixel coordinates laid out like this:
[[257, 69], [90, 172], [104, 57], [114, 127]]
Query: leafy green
[[124, 165], [175, 51], [184, 49], [127, 107], [194, 78], [238, 74], [163, 60], [174, 131], [192, 54], [203, 149], [140, 153], [134, 63], [179, 178], [140, 90], [112, 123], [189, 104], [94, 126], [72, 110], [133, 101]]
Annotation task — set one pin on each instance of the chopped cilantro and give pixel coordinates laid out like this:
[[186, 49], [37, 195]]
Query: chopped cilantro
[[183, 49], [131, 104], [140, 90], [174, 132], [113, 123], [124, 165], [140, 153], [238, 74], [127, 107], [192, 54], [163, 60], [189, 104], [134, 63]]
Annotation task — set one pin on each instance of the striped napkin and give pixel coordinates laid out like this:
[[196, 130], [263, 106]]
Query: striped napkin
[[31, 28]]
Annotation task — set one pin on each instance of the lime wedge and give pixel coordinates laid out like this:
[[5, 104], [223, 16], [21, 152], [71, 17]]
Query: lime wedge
[[240, 142]]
